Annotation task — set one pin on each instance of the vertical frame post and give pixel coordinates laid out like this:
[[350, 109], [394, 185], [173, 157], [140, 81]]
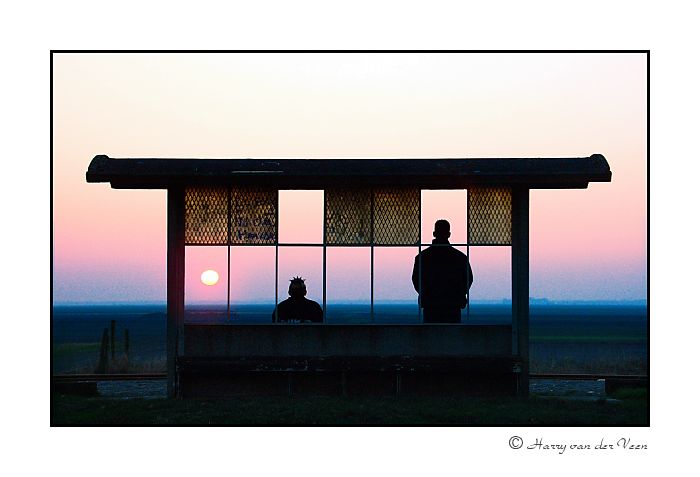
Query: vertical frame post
[[228, 249], [468, 258], [175, 283], [520, 228], [277, 281], [371, 285], [325, 214], [277, 257], [371, 259], [420, 258]]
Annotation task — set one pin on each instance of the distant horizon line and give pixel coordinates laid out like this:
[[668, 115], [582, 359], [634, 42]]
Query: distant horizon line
[[533, 301]]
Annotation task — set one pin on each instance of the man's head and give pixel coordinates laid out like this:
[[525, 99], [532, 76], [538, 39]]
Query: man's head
[[297, 287], [442, 229]]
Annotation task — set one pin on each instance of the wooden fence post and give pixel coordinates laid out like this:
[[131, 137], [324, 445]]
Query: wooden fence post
[[102, 363], [112, 337]]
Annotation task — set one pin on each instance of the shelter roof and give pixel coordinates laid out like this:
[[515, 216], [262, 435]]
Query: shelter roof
[[445, 173]]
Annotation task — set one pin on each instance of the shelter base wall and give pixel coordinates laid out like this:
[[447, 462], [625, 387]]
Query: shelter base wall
[[282, 340], [230, 360]]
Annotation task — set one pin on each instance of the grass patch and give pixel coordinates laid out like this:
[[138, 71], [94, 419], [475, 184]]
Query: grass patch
[[254, 411], [641, 394], [68, 349], [120, 365], [574, 365], [535, 338]]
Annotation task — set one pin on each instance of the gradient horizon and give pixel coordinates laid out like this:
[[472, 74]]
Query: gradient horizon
[[109, 245]]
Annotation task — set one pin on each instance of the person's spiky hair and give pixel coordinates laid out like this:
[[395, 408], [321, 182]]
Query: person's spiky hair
[[297, 287]]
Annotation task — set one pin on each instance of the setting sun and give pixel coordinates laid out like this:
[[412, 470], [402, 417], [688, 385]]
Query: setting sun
[[210, 277]]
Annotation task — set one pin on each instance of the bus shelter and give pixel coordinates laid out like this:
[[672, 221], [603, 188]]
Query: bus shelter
[[366, 203]]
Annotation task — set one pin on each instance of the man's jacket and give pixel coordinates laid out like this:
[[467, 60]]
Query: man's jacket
[[445, 277]]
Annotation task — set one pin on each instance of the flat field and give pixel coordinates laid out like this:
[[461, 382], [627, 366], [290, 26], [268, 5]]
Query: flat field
[[595, 339]]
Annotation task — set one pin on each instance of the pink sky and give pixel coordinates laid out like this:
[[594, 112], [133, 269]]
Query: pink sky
[[109, 245]]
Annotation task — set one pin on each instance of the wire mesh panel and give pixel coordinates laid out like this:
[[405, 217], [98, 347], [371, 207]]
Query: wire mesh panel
[[489, 216], [206, 216], [348, 216], [253, 216], [396, 216]]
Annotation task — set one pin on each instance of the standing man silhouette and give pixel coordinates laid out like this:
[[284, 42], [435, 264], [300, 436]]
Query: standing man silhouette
[[442, 277]]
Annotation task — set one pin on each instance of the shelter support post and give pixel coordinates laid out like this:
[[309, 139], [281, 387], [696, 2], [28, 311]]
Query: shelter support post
[[520, 285], [176, 282]]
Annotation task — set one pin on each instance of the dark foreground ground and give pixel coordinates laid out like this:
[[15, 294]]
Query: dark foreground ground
[[627, 408]]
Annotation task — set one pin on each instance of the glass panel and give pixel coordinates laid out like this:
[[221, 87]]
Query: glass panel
[[395, 300], [396, 216], [206, 221], [450, 205], [489, 216], [490, 294], [348, 289], [304, 262], [253, 216], [205, 284], [348, 216], [252, 284], [301, 216]]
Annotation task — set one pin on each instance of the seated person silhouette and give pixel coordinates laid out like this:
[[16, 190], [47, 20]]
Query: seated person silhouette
[[442, 277], [297, 308]]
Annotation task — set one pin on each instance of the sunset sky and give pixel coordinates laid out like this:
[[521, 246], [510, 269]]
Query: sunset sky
[[110, 245]]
